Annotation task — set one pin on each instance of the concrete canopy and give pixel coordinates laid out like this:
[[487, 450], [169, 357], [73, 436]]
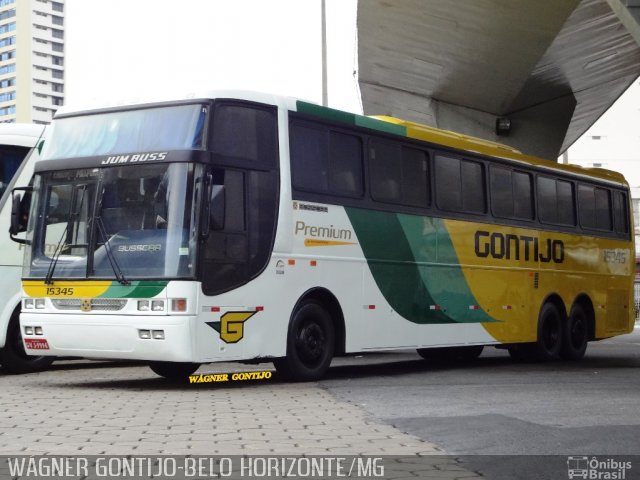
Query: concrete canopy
[[553, 67]]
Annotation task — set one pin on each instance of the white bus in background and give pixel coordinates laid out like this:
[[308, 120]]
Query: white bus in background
[[18, 152]]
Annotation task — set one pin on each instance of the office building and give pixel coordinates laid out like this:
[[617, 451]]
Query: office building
[[31, 60]]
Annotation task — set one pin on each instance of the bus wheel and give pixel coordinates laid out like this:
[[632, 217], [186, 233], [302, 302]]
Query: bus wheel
[[549, 333], [174, 370], [464, 353], [310, 344], [14, 358], [576, 334]]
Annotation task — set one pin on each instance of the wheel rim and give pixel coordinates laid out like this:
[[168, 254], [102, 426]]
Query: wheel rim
[[311, 343]]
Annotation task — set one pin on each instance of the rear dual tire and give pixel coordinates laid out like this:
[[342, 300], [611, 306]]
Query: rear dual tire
[[557, 338]]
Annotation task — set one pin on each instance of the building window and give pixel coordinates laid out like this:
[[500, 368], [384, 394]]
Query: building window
[[7, 14], [8, 82], [57, 33], [5, 42], [57, 74], [7, 55], [57, 47], [56, 101], [57, 60], [7, 97], [8, 110], [56, 87], [7, 69], [57, 7], [57, 20], [9, 27], [6, 2]]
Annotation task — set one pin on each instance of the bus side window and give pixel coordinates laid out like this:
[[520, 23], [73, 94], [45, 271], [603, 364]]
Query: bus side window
[[460, 185], [620, 209]]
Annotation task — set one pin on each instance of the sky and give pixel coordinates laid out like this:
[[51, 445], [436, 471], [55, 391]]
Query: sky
[[119, 50], [614, 140]]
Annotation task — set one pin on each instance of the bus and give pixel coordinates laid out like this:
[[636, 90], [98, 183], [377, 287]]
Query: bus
[[239, 226], [17, 155]]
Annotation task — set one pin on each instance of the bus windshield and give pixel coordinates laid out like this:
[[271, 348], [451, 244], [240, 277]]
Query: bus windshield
[[118, 222], [178, 127]]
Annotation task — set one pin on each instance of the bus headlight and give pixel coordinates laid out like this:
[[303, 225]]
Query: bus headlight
[[157, 305], [28, 330], [29, 303], [143, 305], [40, 303]]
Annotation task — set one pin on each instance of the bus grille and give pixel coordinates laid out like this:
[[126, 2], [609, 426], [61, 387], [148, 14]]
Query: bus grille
[[103, 304]]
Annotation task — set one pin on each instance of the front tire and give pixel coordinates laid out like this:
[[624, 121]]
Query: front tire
[[310, 344], [14, 358], [174, 370]]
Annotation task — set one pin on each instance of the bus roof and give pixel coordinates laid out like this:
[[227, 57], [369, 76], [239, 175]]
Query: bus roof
[[20, 134], [382, 123]]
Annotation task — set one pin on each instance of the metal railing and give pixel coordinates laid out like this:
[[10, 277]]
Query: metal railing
[[636, 296]]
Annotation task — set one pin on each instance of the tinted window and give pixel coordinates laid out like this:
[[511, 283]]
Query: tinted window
[[325, 161], [398, 174], [448, 183], [460, 185], [566, 208], [522, 195], [620, 208], [345, 164], [415, 177], [386, 171], [501, 191], [555, 201], [246, 134], [511, 193], [595, 207], [309, 152]]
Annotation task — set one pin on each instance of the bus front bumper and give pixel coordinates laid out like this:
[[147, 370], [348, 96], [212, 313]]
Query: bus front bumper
[[127, 337]]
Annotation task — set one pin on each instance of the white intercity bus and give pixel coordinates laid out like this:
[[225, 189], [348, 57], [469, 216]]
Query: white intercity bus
[[250, 227], [17, 156]]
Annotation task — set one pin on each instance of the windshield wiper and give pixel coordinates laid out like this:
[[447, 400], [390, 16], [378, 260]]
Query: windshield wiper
[[107, 248], [56, 255], [58, 251]]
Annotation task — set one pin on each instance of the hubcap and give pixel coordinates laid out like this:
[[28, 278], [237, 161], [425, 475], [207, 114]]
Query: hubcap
[[310, 343]]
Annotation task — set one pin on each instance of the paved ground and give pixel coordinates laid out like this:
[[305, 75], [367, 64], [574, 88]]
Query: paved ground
[[85, 407], [382, 404], [493, 406]]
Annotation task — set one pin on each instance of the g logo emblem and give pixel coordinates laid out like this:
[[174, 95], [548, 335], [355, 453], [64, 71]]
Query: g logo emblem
[[231, 326]]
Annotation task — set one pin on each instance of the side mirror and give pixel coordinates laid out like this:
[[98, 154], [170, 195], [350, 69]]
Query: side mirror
[[19, 213], [217, 207]]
